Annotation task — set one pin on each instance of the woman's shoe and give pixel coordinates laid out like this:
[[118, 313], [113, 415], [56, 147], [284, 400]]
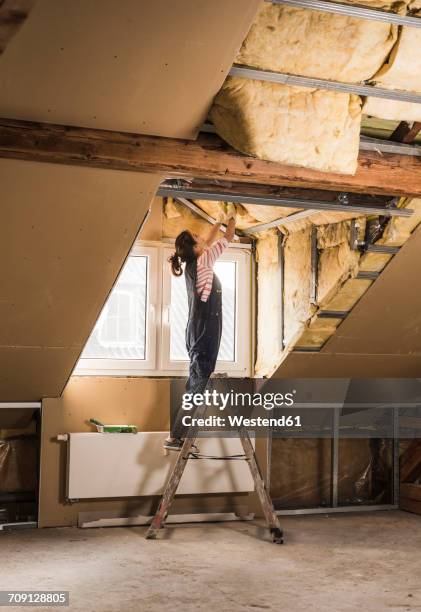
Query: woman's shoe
[[176, 444]]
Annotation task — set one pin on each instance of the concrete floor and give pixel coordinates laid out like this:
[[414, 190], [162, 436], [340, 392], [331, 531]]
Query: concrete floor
[[367, 561]]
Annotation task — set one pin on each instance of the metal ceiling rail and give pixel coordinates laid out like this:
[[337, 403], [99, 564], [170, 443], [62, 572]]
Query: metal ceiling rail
[[387, 146], [261, 227], [300, 81], [175, 191], [352, 11]]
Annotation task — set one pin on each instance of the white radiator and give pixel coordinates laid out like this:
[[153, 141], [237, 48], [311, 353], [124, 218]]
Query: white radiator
[[127, 465]]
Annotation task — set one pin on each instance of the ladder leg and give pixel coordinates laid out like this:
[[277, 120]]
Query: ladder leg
[[170, 490], [264, 498]]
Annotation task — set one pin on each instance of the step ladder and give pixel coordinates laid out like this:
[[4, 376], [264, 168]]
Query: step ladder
[[185, 454]]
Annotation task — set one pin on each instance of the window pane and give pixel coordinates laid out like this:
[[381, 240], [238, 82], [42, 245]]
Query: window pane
[[120, 332], [227, 274]]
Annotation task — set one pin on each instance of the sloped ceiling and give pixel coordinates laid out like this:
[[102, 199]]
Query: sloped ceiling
[[381, 337], [65, 232]]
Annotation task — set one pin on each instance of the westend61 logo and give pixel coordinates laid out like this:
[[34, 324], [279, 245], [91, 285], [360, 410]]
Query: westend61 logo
[[234, 399]]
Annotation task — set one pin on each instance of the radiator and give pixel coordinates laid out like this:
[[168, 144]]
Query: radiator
[[132, 465]]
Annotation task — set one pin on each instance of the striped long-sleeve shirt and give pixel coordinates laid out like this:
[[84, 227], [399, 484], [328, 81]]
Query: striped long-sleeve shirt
[[205, 263]]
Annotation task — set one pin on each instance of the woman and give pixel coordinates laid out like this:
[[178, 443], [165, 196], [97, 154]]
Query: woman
[[204, 325]]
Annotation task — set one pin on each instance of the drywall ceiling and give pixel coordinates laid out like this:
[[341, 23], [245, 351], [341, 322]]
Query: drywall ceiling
[[64, 234], [135, 66], [381, 336]]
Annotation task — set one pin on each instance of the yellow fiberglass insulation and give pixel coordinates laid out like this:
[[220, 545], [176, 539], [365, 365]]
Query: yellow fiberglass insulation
[[337, 260], [177, 218], [316, 44], [292, 125], [349, 290], [297, 272], [402, 72], [269, 303]]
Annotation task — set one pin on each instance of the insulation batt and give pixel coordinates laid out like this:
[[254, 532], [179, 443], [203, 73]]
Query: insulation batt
[[299, 41], [177, 218], [269, 304], [297, 271], [292, 125], [346, 293], [402, 71]]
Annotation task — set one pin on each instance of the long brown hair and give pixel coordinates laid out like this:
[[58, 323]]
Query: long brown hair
[[184, 252]]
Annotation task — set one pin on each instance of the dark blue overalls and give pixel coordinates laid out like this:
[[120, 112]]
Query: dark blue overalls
[[203, 331], [203, 334]]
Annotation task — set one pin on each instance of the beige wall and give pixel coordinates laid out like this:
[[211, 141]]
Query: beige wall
[[65, 232], [141, 401]]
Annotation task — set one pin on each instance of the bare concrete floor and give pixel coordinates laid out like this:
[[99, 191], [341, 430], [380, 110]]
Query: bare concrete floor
[[366, 561]]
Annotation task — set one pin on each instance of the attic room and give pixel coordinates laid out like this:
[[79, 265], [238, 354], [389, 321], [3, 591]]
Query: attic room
[[286, 134]]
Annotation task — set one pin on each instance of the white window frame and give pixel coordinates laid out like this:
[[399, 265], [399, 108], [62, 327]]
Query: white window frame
[[158, 361], [132, 367], [242, 317]]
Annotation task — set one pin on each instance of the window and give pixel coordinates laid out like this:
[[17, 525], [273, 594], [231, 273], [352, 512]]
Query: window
[[123, 338], [227, 274], [141, 329]]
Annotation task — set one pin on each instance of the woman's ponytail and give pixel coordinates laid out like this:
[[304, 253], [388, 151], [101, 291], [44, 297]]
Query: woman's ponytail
[[175, 262], [184, 252]]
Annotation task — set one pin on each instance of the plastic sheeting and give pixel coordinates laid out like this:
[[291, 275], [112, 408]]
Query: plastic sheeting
[[300, 474], [18, 464]]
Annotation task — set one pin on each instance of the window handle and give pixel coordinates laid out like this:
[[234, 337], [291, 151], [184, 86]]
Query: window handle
[[152, 313], [167, 310]]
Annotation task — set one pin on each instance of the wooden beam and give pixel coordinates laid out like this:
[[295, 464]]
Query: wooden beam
[[207, 157], [12, 15], [406, 132]]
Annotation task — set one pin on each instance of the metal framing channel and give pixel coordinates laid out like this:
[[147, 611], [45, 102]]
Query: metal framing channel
[[282, 221], [281, 268], [182, 193], [332, 314], [352, 11], [387, 146], [365, 508], [282, 78], [314, 266], [335, 456], [367, 275], [396, 474], [382, 248]]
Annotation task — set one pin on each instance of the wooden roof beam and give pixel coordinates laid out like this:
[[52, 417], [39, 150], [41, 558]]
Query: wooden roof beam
[[406, 132], [207, 157]]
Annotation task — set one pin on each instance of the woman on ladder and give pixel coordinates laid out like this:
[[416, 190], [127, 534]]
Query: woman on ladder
[[204, 293]]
